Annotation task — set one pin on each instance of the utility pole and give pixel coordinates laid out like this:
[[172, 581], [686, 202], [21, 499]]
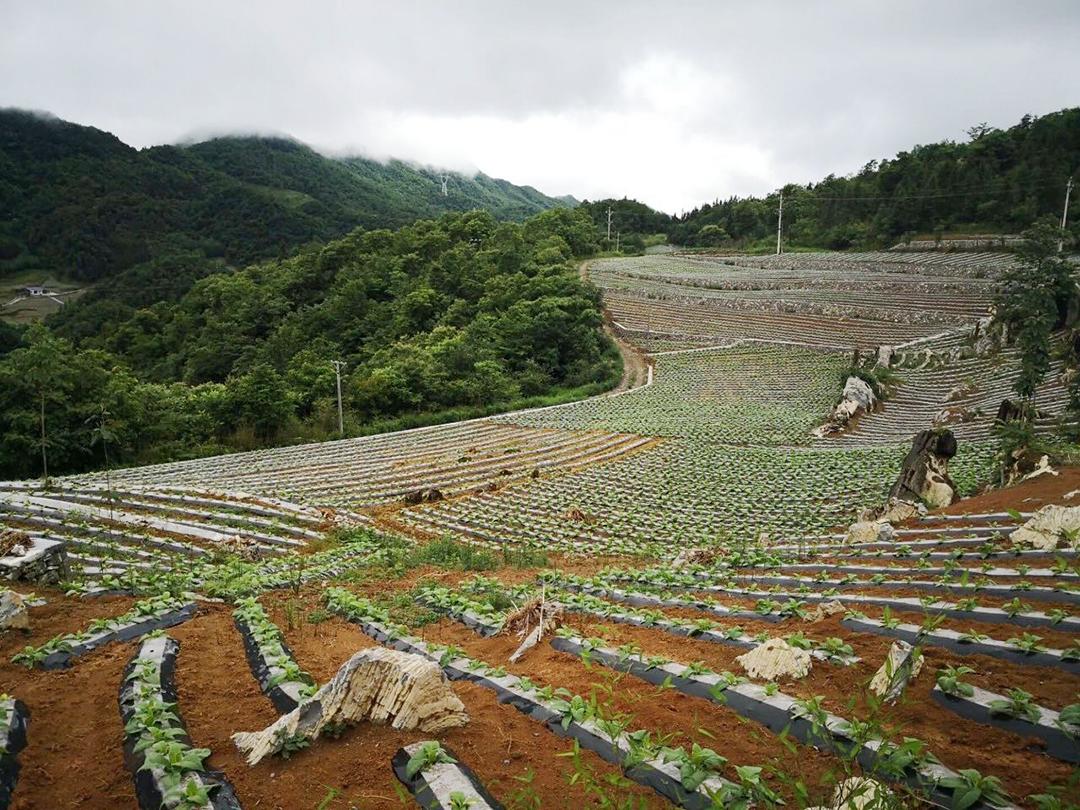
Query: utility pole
[[1065, 214], [779, 221], [609, 223], [616, 241], [338, 366]]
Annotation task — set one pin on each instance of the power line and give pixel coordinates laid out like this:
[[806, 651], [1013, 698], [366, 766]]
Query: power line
[[338, 365]]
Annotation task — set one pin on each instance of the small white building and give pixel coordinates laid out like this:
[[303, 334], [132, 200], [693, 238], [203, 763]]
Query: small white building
[[36, 290]]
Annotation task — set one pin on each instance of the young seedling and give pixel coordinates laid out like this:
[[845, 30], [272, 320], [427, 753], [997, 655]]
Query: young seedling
[[949, 681]]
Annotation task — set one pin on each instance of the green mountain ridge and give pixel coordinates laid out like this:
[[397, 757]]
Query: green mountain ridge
[[80, 203]]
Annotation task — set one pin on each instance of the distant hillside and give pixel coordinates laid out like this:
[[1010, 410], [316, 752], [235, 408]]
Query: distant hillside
[[78, 202], [999, 181]]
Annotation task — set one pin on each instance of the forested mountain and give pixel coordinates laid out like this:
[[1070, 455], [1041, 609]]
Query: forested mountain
[[999, 180], [451, 317], [79, 203]]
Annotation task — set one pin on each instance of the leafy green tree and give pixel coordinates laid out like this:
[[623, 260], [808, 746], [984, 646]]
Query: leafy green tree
[[1033, 300], [259, 399], [35, 380], [712, 234]]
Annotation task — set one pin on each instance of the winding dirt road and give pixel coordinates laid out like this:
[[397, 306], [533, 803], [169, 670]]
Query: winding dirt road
[[635, 362]]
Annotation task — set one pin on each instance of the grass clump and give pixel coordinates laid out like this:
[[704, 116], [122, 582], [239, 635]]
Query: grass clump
[[448, 553]]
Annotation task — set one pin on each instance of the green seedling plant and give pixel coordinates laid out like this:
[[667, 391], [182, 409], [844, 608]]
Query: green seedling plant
[[969, 787], [695, 766], [948, 680], [1028, 643], [1018, 704], [459, 801], [428, 754], [1069, 720]]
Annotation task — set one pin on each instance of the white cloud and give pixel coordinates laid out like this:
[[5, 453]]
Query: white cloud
[[676, 104], [648, 144]]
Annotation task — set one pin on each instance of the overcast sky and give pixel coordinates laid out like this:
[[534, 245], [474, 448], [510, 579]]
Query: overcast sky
[[675, 103]]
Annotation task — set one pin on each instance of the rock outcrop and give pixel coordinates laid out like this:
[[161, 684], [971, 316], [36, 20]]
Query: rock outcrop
[[1049, 527], [870, 531], [378, 685], [775, 659], [14, 613], [424, 495], [857, 398], [902, 664], [924, 475], [897, 511], [825, 609]]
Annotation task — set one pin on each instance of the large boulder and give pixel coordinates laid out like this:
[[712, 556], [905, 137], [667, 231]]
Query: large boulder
[[382, 686], [1048, 527], [775, 659], [870, 531], [924, 475], [14, 612], [857, 398]]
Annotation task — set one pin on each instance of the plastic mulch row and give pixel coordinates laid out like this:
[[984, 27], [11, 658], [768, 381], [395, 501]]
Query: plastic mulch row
[[433, 788], [147, 790], [282, 700], [62, 659], [667, 785], [770, 711]]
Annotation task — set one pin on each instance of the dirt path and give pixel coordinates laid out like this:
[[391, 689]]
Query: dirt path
[[635, 362]]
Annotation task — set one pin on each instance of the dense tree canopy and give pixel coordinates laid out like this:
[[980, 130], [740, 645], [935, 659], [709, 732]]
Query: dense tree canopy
[[78, 203], [1000, 180], [462, 312]]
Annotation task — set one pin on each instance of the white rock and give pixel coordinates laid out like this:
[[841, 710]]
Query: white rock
[[897, 511], [857, 397], [1048, 527], [902, 665], [775, 659], [382, 686], [937, 493], [871, 531], [14, 614], [824, 609]]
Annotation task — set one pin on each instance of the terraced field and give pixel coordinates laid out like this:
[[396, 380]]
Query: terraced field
[[212, 596], [829, 300]]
